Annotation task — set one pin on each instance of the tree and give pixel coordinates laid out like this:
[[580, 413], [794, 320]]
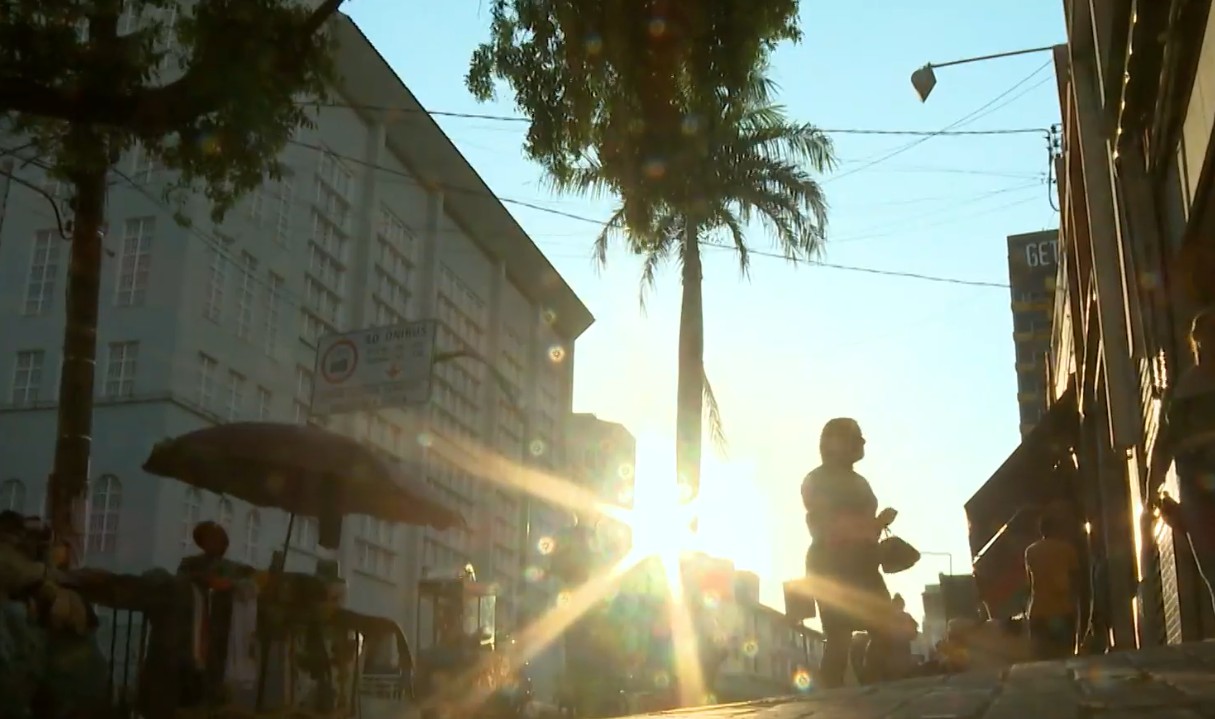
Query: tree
[[208, 89], [615, 76], [753, 165], [641, 99]]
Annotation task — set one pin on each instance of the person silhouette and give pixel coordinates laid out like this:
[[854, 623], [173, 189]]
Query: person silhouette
[[842, 562]]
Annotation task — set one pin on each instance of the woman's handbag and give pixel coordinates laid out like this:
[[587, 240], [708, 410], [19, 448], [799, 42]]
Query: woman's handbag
[[897, 555]]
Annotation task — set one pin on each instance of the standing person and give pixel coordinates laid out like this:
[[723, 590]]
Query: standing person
[[843, 560], [902, 634], [1188, 438], [1053, 566]]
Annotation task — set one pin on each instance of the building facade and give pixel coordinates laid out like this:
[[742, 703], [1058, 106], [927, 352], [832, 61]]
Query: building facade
[[1136, 265], [378, 220], [1137, 183], [1031, 278]]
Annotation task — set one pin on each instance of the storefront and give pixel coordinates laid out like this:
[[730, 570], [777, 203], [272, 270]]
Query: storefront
[[1003, 514]]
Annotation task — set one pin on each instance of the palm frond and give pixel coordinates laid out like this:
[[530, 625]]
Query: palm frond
[[717, 428]]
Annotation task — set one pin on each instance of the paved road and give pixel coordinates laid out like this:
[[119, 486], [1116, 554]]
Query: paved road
[[1168, 682]]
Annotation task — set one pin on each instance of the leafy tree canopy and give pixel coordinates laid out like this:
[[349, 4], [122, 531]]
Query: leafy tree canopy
[[628, 80], [206, 88]]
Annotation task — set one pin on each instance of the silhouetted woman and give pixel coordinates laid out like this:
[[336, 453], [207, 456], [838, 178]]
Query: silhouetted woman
[[843, 560]]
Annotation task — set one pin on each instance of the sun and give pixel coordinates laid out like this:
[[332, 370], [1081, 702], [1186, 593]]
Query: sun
[[728, 511]]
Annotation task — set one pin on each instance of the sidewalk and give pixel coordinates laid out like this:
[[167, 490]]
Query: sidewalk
[[1176, 682]]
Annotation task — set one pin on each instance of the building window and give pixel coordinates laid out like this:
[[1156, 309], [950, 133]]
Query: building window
[[105, 509], [303, 394], [375, 548], [257, 203], [236, 396], [265, 402], [394, 266], [27, 377], [274, 299], [44, 271], [253, 536], [121, 364], [135, 262], [207, 367], [225, 515], [283, 195], [217, 280], [305, 533], [12, 496], [245, 296], [191, 515]]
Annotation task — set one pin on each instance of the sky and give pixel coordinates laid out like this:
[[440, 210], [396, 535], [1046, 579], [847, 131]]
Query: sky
[[926, 367]]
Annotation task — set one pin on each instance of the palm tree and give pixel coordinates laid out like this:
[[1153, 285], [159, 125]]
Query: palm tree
[[751, 164]]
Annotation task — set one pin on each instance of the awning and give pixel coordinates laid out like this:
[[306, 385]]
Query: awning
[[1027, 477], [1000, 570]]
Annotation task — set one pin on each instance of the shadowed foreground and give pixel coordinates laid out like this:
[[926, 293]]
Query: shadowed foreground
[[1175, 682]]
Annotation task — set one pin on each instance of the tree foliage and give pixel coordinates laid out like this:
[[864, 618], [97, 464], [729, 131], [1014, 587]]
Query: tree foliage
[[627, 80], [209, 89]]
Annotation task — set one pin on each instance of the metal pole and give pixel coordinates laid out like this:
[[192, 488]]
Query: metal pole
[[946, 555], [995, 56]]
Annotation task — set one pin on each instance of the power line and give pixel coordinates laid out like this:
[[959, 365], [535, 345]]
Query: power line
[[829, 131], [287, 295], [869, 270], [950, 128], [602, 223]]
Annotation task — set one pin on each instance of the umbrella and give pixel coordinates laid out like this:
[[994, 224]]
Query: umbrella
[[300, 469]]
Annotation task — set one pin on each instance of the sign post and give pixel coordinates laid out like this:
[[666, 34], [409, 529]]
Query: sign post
[[375, 368]]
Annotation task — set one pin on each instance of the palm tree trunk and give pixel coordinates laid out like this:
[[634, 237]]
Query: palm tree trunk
[[689, 410], [73, 444]]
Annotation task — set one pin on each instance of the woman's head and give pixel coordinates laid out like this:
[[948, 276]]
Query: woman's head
[[842, 441], [1202, 335]]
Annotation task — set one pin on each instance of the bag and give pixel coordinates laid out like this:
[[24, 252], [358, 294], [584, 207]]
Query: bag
[[799, 600], [897, 555]]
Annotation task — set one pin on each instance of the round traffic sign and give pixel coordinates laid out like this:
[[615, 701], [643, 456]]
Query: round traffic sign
[[339, 361]]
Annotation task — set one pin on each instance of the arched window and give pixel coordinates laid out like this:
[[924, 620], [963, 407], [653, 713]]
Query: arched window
[[225, 515], [191, 515], [12, 495], [105, 510], [253, 536]]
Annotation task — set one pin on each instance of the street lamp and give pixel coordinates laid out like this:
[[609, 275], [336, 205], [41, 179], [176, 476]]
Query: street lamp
[[925, 79], [946, 555]]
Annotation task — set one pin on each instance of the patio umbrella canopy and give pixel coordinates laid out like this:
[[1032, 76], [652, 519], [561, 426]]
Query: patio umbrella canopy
[[300, 469]]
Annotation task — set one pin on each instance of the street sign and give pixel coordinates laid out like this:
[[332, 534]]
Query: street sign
[[375, 368]]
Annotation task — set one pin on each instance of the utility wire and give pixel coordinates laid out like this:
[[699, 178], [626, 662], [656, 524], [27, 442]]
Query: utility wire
[[950, 128], [603, 223], [520, 119], [600, 223], [293, 299]]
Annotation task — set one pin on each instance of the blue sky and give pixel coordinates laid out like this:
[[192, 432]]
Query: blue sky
[[926, 367]]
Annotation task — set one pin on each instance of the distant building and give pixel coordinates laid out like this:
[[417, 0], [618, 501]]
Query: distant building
[[1032, 263], [935, 622], [602, 456]]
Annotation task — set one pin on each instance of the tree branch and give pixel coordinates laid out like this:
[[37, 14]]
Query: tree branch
[[155, 111]]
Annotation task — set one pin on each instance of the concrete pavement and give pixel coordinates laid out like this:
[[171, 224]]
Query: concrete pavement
[[1176, 682]]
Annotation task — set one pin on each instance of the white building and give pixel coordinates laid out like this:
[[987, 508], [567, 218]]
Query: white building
[[380, 219]]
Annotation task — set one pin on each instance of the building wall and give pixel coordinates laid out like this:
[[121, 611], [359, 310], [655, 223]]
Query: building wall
[[1160, 132], [218, 322]]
